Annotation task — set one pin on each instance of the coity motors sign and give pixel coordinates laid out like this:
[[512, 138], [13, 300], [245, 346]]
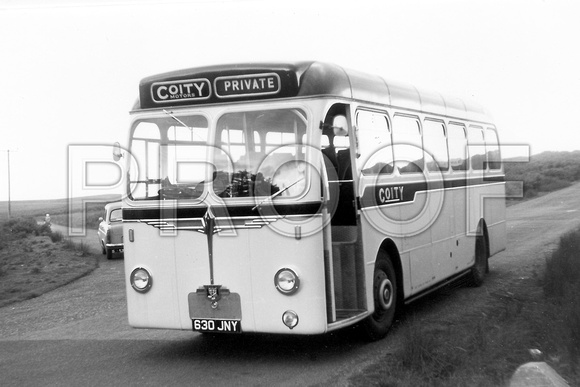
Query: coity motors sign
[[187, 90]]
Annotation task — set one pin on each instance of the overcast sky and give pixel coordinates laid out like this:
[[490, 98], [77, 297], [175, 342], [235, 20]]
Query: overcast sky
[[69, 70]]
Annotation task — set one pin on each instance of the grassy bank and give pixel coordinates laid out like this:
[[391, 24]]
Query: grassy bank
[[35, 260]]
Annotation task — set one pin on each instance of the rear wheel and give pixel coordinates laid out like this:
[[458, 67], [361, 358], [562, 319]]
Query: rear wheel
[[385, 296], [477, 273], [109, 254]]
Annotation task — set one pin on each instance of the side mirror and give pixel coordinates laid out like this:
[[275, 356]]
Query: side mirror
[[340, 126], [117, 153]]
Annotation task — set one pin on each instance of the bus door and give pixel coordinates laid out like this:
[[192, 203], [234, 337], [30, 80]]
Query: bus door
[[347, 264]]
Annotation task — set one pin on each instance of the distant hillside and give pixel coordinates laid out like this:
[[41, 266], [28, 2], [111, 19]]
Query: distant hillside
[[59, 209], [545, 172]]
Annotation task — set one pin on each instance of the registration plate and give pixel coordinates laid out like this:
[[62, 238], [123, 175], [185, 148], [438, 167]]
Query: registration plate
[[215, 311], [206, 325]]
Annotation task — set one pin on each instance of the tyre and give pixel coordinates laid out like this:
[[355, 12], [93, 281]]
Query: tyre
[[103, 249], [109, 254], [385, 294], [479, 269]]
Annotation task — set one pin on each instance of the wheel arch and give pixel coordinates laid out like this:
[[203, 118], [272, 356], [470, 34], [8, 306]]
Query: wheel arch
[[391, 249]]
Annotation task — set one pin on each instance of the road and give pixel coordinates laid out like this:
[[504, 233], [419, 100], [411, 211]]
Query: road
[[78, 334]]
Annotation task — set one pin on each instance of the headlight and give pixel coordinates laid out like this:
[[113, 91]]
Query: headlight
[[286, 281], [141, 280]]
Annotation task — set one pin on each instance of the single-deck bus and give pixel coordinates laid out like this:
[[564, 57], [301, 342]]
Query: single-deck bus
[[301, 198]]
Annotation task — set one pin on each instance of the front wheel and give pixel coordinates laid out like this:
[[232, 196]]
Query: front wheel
[[385, 294]]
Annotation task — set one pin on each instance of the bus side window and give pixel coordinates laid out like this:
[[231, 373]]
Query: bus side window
[[375, 145], [457, 144], [435, 144], [492, 147], [408, 145], [476, 147]]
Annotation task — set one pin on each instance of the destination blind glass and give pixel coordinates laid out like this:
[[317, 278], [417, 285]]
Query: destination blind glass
[[215, 87]]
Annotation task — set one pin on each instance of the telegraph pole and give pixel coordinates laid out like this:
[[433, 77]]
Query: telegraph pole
[[8, 156]]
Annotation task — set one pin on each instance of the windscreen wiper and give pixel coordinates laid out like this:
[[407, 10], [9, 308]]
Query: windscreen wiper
[[271, 197]]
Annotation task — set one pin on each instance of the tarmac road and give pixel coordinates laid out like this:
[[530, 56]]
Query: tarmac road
[[78, 334]]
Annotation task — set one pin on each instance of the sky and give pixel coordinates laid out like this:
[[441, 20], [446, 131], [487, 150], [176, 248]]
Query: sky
[[69, 70]]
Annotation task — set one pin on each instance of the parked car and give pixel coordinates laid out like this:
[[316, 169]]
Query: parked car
[[110, 230]]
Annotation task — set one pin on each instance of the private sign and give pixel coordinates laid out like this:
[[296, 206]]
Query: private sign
[[247, 85]]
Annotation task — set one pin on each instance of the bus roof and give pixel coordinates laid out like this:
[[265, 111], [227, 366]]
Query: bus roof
[[262, 81]]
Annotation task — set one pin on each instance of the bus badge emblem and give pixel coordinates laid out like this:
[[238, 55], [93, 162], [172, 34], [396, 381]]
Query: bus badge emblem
[[213, 292]]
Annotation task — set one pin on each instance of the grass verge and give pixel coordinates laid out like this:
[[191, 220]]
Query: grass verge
[[537, 320], [562, 288]]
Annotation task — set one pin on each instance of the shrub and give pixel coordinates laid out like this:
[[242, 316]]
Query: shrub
[[20, 227], [84, 249], [44, 229], [56, 236], [563, 268], [68, 244]]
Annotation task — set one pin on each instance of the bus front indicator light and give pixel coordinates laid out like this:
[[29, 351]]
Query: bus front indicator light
[[286, 281], [290, 319], [141, 280]]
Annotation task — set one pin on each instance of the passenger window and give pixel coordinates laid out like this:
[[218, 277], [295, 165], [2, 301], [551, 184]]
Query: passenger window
[[476, 147], [492, 147], [457, 144], [116, 215], [408, 147], [375, 146], [435, 144]]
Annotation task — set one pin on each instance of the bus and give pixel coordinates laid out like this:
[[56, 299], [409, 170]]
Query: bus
[[302, 198]]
